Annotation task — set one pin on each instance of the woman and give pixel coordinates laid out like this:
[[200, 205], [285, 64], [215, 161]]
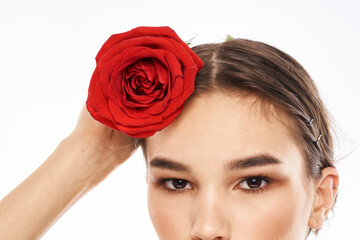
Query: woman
[[249, 157]]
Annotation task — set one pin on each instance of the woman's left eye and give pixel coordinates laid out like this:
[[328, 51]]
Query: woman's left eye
[[254, 184], [175, 184]]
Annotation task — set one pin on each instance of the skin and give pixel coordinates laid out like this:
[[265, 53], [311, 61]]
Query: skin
[[201, 198]]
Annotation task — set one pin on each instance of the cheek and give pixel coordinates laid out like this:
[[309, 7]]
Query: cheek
[[278, 216], [169, 214]]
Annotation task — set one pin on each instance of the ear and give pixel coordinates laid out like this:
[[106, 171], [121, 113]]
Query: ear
[[146, 177], [324, 197]]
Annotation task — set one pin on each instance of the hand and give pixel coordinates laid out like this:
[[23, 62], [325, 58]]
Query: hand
[[108, 148]]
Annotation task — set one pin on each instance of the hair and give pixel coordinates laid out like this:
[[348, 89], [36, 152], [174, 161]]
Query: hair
[[256, 68]]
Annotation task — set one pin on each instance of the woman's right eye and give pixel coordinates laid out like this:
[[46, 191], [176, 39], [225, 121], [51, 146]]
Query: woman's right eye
[[175, 184]]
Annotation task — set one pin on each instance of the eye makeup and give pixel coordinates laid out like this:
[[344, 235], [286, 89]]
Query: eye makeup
[[174, 185], [249, 184], [254, 183]]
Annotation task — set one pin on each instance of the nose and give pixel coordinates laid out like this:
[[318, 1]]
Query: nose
[[211, 218]]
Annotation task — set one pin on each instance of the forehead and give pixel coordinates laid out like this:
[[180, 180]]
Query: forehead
[[217, 126]]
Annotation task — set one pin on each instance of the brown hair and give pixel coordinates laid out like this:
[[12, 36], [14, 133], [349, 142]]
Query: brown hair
[[241, 65]]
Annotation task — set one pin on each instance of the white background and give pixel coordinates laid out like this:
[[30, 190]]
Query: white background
[[47, 52]]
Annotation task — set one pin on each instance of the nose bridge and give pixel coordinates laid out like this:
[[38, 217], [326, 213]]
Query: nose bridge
[[210, 218]]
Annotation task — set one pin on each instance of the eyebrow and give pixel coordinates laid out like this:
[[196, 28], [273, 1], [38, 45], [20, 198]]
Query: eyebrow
[[253, 161], [164, 163], [245, 163]]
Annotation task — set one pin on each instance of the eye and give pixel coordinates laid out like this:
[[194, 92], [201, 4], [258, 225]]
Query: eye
[[254, 184], [175, 184]]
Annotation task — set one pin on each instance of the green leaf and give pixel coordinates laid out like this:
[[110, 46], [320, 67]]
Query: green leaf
[[228, 37], [188, 42]]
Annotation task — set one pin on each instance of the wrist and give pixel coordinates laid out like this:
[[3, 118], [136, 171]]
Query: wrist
[[90, 159], [76, 160]]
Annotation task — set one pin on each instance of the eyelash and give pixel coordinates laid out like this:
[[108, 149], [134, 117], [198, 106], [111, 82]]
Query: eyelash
[[162, 183], [262, 177]]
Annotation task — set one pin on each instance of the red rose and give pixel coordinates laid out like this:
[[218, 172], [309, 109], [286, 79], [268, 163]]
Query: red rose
[[142, 80]]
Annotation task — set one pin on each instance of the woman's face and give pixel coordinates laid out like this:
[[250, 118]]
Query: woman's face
[[222, 170]]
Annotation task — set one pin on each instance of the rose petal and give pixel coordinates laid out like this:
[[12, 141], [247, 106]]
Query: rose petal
[[136, 117], [95, 114], [98, 102], [149, 128], [113, 87], [147, 31]]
